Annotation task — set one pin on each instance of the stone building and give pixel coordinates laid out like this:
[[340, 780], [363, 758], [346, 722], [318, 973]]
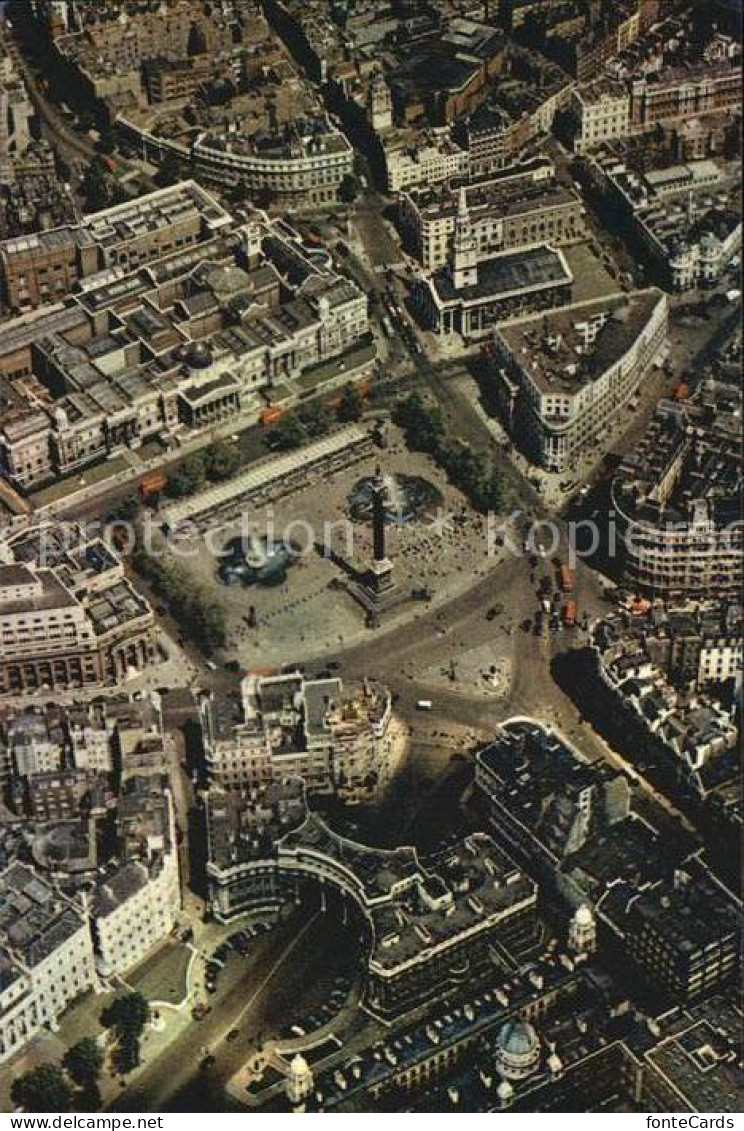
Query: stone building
[[46, 956], [563, 379], [337, 740], [76, 623], [511, 210]]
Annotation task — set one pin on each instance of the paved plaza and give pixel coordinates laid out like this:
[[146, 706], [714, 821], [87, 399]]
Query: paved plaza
[[439, 552]]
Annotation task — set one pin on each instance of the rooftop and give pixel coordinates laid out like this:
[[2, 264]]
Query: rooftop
[[568, 349], [35, 918], [688, 463], [509, 273], [699, 1055]]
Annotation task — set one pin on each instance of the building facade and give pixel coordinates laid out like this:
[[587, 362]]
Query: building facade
[[562, 381], [425, 926], [675, 498], [472, 294], [685, 936], [505, 213], [58, 635], [687, 235], [337, 741], [434, 159], [306, 167], [46, 956], [187, 318], [137, 903], [685, 92], [599, 112], [46, 267]]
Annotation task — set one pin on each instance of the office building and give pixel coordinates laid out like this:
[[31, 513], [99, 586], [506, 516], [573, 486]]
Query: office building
[[677, 498], [563, 379], [427, 925], [338, 740], [516, 208], [46, 956], [77, 623]]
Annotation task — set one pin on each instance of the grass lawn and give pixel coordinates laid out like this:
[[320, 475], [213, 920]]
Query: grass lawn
[[162, 976]]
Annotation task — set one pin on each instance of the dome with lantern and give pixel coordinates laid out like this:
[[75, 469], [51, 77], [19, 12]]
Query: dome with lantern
[[299, 1081], [517, 1049]]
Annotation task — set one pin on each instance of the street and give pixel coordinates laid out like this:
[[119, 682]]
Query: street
[[255, 997]]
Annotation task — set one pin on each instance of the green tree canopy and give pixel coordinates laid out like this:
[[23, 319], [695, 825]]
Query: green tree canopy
[[197, 44], [127, 1014], [127, 1054], [169, 172], [265, 197], [84, 1062], [349, 189], [205, 621], [493, 492], [201, 617], [45, 1088], [424, 430], [288, 433], [238, 194], [95, 185], [423, 425], [315, 418], [221, 460], [126, 509], [351, 405], [188, 477]]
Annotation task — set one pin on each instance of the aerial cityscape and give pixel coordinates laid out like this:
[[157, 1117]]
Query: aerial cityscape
[[371, 543]]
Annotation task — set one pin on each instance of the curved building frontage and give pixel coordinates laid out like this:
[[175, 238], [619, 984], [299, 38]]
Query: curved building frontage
[[302, 167], [427, 925], [563, 379], [676, 499]]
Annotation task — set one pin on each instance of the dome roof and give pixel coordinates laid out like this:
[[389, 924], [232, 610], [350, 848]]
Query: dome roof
[[518, 1038], [583, 916], [199, 355], [298, 1063]]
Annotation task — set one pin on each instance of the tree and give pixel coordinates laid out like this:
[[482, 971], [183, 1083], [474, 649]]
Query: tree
[[188, 477], [94, 186], [423, 426], [89, 1098], [314, 418], [127, 1054], [238, 194], [492, 494], [126, 510], [210, 1083], [42, 1089], [127, 1014], [265, 197], [288, 433], [197, 44], [221, 460], [351, 405], [84, 1062], [169, 172], [349, 189], [107, 142], [203, 620], [424, 431], [207, 621]]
